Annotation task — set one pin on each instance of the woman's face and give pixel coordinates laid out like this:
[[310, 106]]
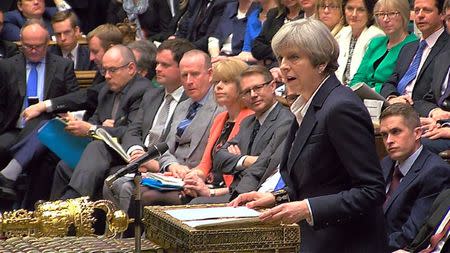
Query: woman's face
[[298, 72], [356, 14], [390, 21], [226, 93], [329, 13]]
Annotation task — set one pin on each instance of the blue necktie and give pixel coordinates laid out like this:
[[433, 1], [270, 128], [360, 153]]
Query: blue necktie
[[411, 73], [32, 82], [280, 185], [193, 108]]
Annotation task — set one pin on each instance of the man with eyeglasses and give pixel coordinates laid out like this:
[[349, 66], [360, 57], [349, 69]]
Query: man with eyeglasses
[[67, 32], [29, 77], [118, 104], [413, 73]]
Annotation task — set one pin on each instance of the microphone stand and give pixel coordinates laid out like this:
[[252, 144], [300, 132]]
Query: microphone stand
[[138, 215]]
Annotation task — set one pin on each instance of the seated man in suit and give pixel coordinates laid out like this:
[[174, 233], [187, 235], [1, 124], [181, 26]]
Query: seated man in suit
[[100, 40], [414, 70], [270, 123], [145, 53], [414, 176], [119, 102], [26, 9], [34, 75], [67, 33], [7, 48], [433, 235]]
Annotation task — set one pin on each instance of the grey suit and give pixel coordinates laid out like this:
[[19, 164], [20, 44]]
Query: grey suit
[[276, 124], [192, 143], [87, 178]]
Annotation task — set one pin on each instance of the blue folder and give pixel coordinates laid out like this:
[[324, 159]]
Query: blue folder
[[158, 185], [66, 146]]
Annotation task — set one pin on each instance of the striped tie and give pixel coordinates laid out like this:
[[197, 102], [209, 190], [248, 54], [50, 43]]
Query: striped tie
[[193, 108], [411, 73]]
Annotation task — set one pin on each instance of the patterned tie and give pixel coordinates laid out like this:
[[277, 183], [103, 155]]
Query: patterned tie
[[156, 132], [395, 182], [70, 56], [412, 70], [193, 108], [116, 104], [32, 82], [253, 136], [447, 91]]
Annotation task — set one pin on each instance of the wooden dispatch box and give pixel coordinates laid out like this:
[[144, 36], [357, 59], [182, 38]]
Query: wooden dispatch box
[[174, 236]]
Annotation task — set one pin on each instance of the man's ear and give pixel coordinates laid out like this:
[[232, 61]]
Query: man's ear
[[418, 133], [19, 5]]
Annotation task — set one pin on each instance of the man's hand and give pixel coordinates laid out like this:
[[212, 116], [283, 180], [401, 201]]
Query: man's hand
[[254, 199], [218, 58], [439, 114], [438, 133], [78, 127], [405, 99], [33, 111], [276, 74], [178, 170], [287, 213], [151, 165], [428, 124], [108, 123], [234, 149], [249, 160]]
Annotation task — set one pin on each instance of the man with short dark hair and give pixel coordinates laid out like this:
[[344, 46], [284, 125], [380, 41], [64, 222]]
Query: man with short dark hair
[[414, 176], [7, 49], [67, 32]]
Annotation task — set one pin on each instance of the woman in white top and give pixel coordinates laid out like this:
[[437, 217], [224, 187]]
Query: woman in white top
[[355, 37]]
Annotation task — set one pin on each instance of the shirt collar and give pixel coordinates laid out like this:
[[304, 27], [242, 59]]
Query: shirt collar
[[300, 105], [73, 52], [176, 94], [407, 164], [265, 114], [432, 39], [42, 61], [205, 97]]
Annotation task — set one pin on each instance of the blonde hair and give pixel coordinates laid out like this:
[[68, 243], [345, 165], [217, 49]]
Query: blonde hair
[[402, 6], [228, 70]]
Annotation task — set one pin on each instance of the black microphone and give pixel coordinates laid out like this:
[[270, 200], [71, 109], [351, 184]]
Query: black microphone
[[153, 151]]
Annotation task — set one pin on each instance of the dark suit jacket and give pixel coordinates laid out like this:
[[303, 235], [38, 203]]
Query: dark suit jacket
[[83, 62], [59, 80], [157, 19], [408, 206], [230, 24], [276, 124], [261, 47], [14, 20], [83, 99], [424, 77], [435, 216], [7, 49], [129, 104], [141, 125], [331, 161], [430, 100], [199, 32]]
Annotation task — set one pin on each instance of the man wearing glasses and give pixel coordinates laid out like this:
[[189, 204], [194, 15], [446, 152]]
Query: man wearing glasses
[[27, 78]]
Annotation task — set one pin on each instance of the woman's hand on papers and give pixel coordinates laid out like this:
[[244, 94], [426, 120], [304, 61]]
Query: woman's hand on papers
[[287, 213], [254, 200]]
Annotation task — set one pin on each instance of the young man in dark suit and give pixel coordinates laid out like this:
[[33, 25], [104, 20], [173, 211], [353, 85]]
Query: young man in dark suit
[[414, 176], [7, 48], [32, 76], [414, 70], [67, 33]]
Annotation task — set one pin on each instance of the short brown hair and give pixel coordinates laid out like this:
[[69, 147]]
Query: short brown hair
[[177, 46], [108, 34], [61, 16], [406, 111], [258, 70]]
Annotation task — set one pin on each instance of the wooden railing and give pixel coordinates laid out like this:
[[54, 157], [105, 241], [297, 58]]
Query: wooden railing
[[85, 77]]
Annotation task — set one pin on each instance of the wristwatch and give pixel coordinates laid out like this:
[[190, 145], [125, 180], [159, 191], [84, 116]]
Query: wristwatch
[[92, 130], [281, 196]]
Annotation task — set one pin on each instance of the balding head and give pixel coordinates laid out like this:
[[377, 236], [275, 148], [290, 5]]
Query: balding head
[[119, 67], [34, 38]]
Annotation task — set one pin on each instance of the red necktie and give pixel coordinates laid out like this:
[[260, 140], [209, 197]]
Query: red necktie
[[395, 182]]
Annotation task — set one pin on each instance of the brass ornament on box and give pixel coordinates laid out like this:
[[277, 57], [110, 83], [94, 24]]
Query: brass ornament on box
[[53, 219]]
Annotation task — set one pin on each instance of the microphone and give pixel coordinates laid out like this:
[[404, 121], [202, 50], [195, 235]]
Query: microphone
[[153, 151]]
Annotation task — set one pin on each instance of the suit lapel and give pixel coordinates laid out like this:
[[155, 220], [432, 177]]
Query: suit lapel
[[150, 112], [247, 132], [441, 42], [408, 178], [267, 124], [50, 67], [20, 61]]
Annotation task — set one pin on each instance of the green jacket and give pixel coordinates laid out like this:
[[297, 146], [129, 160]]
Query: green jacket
[[375, 78]]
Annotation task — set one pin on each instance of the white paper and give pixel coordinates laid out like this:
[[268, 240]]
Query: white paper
[[195, 214]]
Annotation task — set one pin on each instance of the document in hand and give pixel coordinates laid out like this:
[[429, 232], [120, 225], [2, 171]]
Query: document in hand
[[213, 216], [103, 135], [365, 92]]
